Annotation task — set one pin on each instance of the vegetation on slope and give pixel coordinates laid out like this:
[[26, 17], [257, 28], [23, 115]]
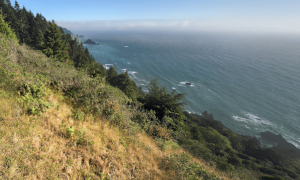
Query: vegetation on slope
[[48, 131], [69, 117]]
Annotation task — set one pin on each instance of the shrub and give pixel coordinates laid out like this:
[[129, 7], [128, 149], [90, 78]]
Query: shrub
[[70, 132], [32, 97], [223, 165], [77, 114], [267, 177], [160, 132], [184, 169], [214, 137], [234, 160]]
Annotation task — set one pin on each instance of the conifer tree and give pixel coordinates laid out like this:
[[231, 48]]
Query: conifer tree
[[39, 43], [3, 7], [54, 46], [10, 15], [124, 83], [5, 29], [41, 22], [112, 74], [17, 7], [22, 24], [163, 102], [32, 30]]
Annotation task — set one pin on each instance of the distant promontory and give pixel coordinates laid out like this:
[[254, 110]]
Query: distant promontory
[[89, 41]]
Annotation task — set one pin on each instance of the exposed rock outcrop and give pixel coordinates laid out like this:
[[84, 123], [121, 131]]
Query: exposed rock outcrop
[[89, 41]]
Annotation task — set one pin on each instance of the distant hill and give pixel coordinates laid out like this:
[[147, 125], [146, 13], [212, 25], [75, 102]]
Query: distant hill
[[66, 31], [73, 36]]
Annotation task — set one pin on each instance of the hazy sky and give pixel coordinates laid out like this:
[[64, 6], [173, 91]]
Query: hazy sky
[[238, 15]]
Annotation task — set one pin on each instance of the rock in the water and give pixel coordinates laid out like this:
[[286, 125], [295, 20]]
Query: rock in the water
[[89, 41]]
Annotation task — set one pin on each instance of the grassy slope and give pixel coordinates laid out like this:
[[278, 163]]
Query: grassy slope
[[37, 146]]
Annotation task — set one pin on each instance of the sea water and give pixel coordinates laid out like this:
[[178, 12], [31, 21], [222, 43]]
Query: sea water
[[250, 82]]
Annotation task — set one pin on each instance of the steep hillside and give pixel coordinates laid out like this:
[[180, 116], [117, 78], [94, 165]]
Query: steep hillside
[[64, 116], [46, 134]]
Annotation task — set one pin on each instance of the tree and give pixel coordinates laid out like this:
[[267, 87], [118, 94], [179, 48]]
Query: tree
[[5, 29], [10, 15], [3, 7], [112, 74], [54, 46], [41, 22], [124, 83], [17, 7], [39, 41], [22, 24], [163, 102]]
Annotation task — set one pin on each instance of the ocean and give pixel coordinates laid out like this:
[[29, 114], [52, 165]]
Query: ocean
[[248, 81]]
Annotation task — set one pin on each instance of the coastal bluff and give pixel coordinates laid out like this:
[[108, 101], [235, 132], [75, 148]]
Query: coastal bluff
[[89, 41], [283, 146]]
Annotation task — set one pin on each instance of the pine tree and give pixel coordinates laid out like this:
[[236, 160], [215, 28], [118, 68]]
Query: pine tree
[[54, 46], [22, 24], [124, 83], [163, 102], [39, 42], [3, 7], [32, 30], [112, 74], [5, 29], [9, 11], [17, 7], [41, 22]]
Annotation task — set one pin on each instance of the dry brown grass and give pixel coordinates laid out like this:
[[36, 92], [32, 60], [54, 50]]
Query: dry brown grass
[[36, 147]]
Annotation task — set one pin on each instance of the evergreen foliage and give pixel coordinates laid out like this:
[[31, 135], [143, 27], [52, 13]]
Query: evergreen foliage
[[54, 46], [123, 82], [5, 29], [162, 102]]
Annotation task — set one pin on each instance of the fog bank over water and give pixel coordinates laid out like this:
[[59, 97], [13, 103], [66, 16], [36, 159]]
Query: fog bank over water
[[226, 24]]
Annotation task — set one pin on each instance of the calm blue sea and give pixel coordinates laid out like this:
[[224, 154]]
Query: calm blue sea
[[250, 82]]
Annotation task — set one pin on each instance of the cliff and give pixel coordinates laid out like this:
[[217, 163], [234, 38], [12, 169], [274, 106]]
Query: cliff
[[283, 146]]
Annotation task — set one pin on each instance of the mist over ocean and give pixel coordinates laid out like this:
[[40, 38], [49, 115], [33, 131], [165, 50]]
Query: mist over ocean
[[249, 82]]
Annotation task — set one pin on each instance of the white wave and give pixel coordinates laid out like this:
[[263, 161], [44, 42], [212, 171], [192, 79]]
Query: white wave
[[237, 118], [107, 66], [173, 88], [186, 83], [124, 70], [253, 120], [257, 120], [128, 63], [125, 46], [132, 72], [210, 91], [291, 139], [213, 93]]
